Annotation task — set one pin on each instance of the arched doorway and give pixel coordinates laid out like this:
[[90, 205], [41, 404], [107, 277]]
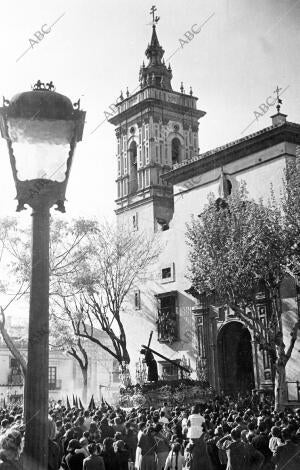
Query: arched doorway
[[235, 359]]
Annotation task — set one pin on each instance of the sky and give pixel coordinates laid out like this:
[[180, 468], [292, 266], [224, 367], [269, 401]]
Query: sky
[[244, 49]]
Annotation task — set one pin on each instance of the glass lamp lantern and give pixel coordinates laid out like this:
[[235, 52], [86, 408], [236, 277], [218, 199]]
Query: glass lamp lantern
[[42, 128]]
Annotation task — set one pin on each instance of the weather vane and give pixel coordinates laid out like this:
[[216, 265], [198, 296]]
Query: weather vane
[[279, 101], [155, 19]]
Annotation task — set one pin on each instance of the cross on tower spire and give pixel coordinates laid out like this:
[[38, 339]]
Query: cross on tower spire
[[279, 101], [155, 19]]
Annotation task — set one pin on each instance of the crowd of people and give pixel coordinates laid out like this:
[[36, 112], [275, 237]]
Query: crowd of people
[[242, 434]]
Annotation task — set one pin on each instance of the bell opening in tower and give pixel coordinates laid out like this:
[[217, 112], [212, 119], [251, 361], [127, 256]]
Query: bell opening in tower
[[176, 151], [133, 182]]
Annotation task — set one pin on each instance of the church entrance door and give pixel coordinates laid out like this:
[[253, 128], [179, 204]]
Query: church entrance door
[[235, 359]]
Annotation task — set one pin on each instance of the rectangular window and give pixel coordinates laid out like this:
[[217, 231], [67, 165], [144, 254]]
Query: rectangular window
[[115, 372], [167, 319], [140, 156], [147, 154], [118, 146], [147, 177], [168, 273], [119, 189], [169, 371], [119, 166], [137, 299], [125, 188], [52, 378], [140, 135], [140, 180], [135, 221]]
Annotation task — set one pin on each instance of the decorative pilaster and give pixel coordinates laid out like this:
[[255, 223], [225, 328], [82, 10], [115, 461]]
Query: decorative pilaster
[[263, 365], [201, 314]]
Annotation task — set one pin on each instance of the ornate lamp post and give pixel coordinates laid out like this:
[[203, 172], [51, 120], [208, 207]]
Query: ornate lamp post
[[41, 128]]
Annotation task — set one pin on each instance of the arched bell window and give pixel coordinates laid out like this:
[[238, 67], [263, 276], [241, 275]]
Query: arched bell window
[[176, 151], [133, 183]]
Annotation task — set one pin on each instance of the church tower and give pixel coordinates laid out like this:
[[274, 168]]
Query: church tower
[[156, 127]]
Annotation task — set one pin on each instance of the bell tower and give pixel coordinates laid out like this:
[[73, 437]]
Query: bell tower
[[156, 127]]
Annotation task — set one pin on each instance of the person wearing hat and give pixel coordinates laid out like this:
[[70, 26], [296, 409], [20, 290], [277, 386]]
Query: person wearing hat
[[74, 460]]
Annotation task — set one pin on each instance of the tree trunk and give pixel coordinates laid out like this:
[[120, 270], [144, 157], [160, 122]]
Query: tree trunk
[[280, 391], [84, 388]]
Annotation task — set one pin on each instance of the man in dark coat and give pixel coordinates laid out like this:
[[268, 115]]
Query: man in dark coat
[[287, 456], [235, 450], [261, 443], [74, 460]]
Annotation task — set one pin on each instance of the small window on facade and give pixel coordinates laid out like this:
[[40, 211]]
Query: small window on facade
[[52, 378], [167, 327], [166, 273], [137, 300], [135, 221], [133, 167], [229, 187]]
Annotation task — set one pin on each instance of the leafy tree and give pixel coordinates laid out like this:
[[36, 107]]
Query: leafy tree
[[64, 337], [92, 269], [236, 246], [117, 258], [290, 201]]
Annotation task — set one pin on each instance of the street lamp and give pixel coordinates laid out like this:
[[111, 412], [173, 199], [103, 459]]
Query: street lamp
[[41, 128]]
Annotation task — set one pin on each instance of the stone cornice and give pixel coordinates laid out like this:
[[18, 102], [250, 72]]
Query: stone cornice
[[147, 105], [270, 136]]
